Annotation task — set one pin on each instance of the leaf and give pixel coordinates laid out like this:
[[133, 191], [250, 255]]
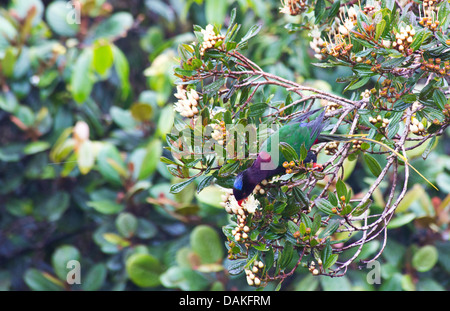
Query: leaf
[[151, 159], [324, 206], [122, 69], [103, 57], [61, 18], [115, 26], [341, 189], [254, 30], [36, 147], [373, 165], [106, 207], [82, 81], [143, 270], [37, 281], [95, 278], [205, 242], [61, 256], [126, 224], [319, 11], [286, 256], [425, 258], [86, 157], [329, 229], [215, 11], [289, 153], [180, 186]]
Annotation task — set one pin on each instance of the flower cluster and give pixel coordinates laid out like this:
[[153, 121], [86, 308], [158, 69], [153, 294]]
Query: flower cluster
[[436, 65], [317, 44], [379, 120], [210, 39], [404, 38], [429, 20], [252, 277], [417, 127], [219, 132], [331, 147], [357, 144], [312, 267], [242, 212], [187, 102], [259, 189], [293, 7]]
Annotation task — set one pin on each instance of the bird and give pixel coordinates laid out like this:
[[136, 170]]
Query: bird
[[295, 133]]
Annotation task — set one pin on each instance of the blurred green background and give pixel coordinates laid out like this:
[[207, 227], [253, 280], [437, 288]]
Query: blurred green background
[[84, 110]]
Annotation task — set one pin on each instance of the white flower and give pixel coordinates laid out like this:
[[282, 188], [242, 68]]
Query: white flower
[[81, 131], [251, 204]]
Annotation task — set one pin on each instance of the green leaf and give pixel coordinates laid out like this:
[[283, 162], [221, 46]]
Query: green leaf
[[286, 256], [126, 224], [319, 11], [115, 26], [289, 153], [61, 256], [151, 159], [373, 165], [329, 229], [62, 18], [205, 242], [143, 270], [341, 189], [103, 57], [184, 278], [39, 281], [86, 157], [176, 188], [215, 11], [324, 206], [36, 147], [122, 69], [82, 81], [95, 278], [106, 206], [425, 258]]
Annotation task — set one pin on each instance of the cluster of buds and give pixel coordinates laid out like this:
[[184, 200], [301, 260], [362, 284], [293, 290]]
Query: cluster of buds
[[210, 39], [436, 65], [429, 20], [446, 111], [331, 147], [417, 127], [317, 44], [404, 38], [366, 94], [187, 102], [388, 91], [332, 106], [252, 274], [219, 132], [312, 267], [293, 7], [340, 50], [289, 166], [370, 9], [379, 120], [259, 189], [357, 144], [242, 212]]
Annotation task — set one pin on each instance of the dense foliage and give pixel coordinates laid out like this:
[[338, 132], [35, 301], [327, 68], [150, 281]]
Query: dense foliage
[[94, 93]]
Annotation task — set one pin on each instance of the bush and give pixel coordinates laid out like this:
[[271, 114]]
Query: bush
[[94, 98]]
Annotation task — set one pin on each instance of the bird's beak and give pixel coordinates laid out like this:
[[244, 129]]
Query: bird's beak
[[240, 202]]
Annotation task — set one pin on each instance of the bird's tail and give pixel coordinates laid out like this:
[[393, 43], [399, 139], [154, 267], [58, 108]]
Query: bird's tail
[[350, 137]]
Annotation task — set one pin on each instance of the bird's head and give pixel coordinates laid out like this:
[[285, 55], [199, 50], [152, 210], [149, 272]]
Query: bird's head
[[240, 187]]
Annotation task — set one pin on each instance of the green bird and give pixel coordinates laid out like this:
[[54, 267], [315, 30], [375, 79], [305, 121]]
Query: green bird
[[270, 159]]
